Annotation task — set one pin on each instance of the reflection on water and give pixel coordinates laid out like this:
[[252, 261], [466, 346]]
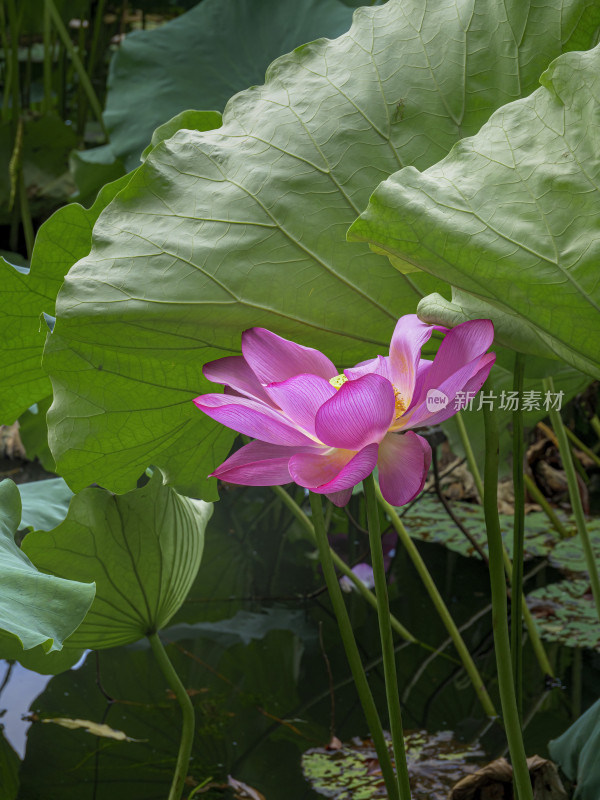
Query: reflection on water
[[21, 687], [258, 650]]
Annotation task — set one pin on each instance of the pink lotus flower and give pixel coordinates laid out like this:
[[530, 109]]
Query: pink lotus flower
[[327, 431]]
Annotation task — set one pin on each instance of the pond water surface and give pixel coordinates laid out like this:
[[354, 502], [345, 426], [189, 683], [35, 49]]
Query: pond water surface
[[258, 650]]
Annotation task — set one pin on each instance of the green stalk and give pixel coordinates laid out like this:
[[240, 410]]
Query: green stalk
[[8, 66], [595, 423], [576, 683], [532, 630], [98, 24], [187, 709], [25, 211], [516, 597], [48, 60], [440, 606], [534, 636], [579, 466], [81, 98], [76, 61], [552, 436], [14, 27], [550, 512], [18, 197], [567, 460], [200, 788], [341, 564], [387, 640], [466, 443], [583, 447], [350, 646], [500, 611]]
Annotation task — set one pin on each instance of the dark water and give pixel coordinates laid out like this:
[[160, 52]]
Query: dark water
[[258, 650]]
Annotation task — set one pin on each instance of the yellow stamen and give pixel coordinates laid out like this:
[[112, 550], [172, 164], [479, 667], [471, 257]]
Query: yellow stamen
[[399, 403], [338, 381]]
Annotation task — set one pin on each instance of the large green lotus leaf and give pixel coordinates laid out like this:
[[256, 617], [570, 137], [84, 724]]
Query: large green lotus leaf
[[94, 168], [25, 296], [142, 549], [198, 60], [35, 608], [511, 215], [510, 330], [202, 58], [37, 659], [565, 612], [243, 226], [28, 293], [44, 503], [33, 430], [576, 751], [190, 119]]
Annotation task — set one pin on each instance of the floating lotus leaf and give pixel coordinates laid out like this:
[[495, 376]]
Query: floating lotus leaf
[[565, 613], [428, 521], [351, 771], [568, 554]]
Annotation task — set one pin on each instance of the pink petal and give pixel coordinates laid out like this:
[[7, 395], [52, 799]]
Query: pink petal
[[340, 499], [234, 372], [274, 359], [403, 462], [329, 473], [461, 346], [457, 382], [301, 397], [252, 418], [473, 385], [257, 464], [486, 363], [422, 370], [359, 413], [409, 337], [378, 366], [364, 573]]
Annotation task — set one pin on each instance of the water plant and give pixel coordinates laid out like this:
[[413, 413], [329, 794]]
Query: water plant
[[419, 186]]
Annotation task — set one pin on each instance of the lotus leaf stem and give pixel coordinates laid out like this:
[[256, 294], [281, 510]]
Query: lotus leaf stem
[[567, 460], [387, 640], [506, 685], [440, 606], [351, 648], [187, 709], [516, 597]]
